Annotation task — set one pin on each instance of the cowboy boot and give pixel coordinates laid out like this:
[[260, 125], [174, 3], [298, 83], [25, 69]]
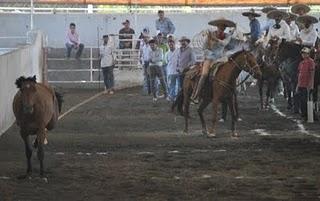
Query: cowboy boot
[[195, 96]]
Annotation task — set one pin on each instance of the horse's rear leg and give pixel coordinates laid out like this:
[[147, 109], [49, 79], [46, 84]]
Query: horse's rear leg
[[212, 131], [186, 105], [260, 84], [203, 105], [28, 151]]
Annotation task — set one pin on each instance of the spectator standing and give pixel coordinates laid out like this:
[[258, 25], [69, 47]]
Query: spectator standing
[[126, 35], [107, 63], [155, 68], [164, 24], [73, 41], [186, 58], [171, 58], [306, 71], [144, 59]]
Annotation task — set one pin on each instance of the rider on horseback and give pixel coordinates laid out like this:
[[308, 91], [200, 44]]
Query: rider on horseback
[[280, 30], [215, 44], [308, 34]]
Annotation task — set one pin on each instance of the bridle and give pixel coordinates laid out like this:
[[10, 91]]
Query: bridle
[[246, 66]]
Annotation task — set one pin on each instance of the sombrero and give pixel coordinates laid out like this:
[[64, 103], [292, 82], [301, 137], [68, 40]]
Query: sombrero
[[307, 18], [184, 38], [275, 13], [268, 9], [297, 7], [291, 16], [251, 12], [222, 21]]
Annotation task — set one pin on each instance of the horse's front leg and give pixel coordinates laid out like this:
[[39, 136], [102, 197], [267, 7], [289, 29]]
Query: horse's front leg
[[41, 138], [28, 151], [204, 103], [212, 131], [233, 111]]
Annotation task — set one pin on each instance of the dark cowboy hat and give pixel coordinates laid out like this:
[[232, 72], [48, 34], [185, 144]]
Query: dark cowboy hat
[[277, 13], [251, 12], [297, 7], [291, 16], [307, 18], [268, 9], [222, 21], [184, 38], [126, 21]]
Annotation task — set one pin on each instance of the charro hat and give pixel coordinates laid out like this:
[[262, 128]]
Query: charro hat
[[251, 12], [297, 7], [222, 21], [307, 18], [276, 13], [291, 16], [268, 9], [184, 38]]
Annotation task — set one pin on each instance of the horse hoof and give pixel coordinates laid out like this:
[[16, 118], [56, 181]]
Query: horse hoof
[[235, 135], [45, 179], [211, 135], [26, 176]]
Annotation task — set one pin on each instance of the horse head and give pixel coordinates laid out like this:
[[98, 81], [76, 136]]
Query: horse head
[[245, 60], [27, 88]]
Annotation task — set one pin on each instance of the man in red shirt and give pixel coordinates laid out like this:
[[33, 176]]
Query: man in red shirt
[[305, 80]]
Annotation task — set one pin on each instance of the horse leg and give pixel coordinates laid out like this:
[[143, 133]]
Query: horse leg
[[40, 153], [212, 131], [260, 84], [232, 107], [186, 105], [204, 103], [28, 151]]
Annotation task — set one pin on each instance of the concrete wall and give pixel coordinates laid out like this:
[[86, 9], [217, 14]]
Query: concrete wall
[[56, 25], [25, 61]]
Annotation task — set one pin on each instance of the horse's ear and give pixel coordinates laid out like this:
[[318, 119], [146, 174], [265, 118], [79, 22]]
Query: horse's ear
[[19, 81], [34, 78]]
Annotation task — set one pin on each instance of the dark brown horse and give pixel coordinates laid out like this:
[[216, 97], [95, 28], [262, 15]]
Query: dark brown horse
[[221, 88], [36, 107], [271, 74]]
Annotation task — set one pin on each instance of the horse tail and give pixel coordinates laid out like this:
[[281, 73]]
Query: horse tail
[[59, 99], [178, 103]]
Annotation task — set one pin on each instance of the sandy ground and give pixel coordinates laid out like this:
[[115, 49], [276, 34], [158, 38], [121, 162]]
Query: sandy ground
[[122, 147]]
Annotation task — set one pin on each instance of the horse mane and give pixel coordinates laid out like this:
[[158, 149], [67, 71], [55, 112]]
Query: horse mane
[[22, 79], [234, 55]]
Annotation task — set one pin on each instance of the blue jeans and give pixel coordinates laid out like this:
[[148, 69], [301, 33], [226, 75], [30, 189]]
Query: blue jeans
[[146, 78], [69, 49], [108, 77], [173, 81]]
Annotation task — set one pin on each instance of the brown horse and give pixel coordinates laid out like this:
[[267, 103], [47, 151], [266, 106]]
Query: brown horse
[[220, 88], [271, 74], [36, 108]]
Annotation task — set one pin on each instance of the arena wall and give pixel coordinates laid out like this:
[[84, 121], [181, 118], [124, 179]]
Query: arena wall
[[26, 60], [91, 25]]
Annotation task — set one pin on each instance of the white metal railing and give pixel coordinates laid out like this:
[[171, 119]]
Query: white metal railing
[[125, 9]]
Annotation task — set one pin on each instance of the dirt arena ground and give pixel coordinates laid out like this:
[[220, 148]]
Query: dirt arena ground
[[121, 147]]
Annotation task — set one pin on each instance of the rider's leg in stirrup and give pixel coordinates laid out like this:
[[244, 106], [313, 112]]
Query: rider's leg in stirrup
[[204, 73]]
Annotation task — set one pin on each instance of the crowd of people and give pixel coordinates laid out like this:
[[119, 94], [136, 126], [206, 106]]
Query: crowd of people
[[164, 57]]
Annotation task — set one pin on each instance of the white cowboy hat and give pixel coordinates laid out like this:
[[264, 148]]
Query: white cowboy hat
[[251, 12], [222, 21], [297, 7], [307, 18], [306, 50], [276, 13], [184, 38]]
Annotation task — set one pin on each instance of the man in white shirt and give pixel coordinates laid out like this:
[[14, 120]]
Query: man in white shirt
[[144, 59], [171, 58], [294, 29], [308, 35], [280, 30], [107, 63], [73, 41]]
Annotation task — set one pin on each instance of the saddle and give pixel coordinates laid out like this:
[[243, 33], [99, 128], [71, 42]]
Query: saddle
[[194, 72]]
